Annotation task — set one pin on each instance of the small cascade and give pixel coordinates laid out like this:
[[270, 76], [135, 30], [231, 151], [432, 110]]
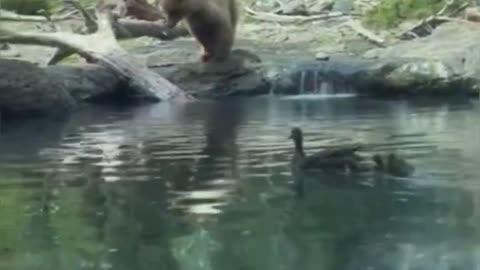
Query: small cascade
[[326, 88], [315, 84], [315, 81], [303, 76]]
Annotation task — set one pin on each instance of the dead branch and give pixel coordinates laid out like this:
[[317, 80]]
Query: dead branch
[[266, 16], [362, 31]]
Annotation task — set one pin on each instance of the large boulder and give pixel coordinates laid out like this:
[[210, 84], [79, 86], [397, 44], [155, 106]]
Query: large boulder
[[446, 62], [86, 82], [26, 89]]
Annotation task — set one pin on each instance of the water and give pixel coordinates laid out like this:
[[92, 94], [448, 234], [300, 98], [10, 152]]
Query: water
[[208, 186]]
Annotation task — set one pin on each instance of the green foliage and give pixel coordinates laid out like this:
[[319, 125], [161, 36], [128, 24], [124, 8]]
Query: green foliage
[[391, 13], [27, 7]]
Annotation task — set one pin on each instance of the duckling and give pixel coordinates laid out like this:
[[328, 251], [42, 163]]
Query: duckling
[[339, 158], [393, 165]]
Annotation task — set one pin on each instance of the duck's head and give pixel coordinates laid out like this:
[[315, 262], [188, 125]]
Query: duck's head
[[296, 134]]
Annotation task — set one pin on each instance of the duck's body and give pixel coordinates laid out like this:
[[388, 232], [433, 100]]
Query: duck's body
[[339, 158], [393, 165]]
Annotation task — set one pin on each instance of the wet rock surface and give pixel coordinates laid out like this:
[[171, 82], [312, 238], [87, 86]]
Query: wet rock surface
[[26, 90], [446, 62], [86, 82]]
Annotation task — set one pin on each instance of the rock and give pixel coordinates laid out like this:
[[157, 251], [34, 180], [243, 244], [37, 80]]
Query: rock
[[472, 14], [86, 82], [294, 7], [365, 6], [7, 51], [446, 61], [343, 5], [318, 6], [265, 6], [285, 74], [321, 56], [27, 90], [216, 85], [411, 78]]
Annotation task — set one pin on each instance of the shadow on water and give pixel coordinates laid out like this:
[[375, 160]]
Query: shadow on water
[[208, 186]]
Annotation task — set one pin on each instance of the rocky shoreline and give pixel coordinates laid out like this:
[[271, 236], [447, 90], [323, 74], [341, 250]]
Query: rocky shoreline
[[445, 63]]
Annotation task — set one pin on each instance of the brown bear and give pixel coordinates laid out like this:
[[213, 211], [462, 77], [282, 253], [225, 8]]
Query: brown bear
[[211, 22]]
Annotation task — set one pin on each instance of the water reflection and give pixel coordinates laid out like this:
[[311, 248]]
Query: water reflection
[[208, 186]]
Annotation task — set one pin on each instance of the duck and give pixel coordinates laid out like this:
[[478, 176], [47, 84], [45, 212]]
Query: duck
[[336, 158], [393, 165]]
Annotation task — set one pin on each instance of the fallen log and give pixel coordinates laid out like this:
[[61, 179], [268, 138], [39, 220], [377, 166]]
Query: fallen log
[[102, 47]]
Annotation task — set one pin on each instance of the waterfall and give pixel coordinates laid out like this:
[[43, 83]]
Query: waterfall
[[316, 84]]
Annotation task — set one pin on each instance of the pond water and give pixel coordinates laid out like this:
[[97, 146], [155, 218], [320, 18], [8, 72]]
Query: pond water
[[207, 185]]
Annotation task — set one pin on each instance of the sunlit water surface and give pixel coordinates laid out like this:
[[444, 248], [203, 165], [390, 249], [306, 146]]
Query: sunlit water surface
[[208, 186]]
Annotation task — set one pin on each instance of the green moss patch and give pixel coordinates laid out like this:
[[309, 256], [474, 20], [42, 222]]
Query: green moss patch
[[390, 13]]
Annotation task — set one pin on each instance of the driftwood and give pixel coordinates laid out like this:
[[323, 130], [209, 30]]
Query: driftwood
[[102, 47], [267, 16]]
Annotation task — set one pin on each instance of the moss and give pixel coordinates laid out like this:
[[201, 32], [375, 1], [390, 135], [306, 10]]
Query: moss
[[390, 13]]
